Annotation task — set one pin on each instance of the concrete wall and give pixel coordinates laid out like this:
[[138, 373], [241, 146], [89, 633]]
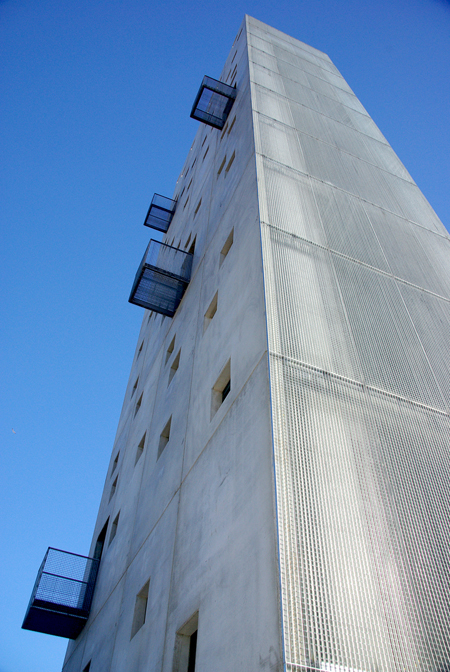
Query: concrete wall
[[199, 520]]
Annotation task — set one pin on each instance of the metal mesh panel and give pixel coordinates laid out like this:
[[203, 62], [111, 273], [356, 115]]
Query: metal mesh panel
[[160, 213], [62, 595], [291, 204], [162, 278], [279, 143], [213, 102], [67, 579], [360, 381], [403, 250], [364, 577], [346, 224], [310, 324]]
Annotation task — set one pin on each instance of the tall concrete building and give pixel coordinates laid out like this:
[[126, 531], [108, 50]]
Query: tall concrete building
[[278, 492]]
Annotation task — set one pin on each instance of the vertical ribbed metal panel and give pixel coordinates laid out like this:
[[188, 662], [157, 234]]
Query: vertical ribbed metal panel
[[357, 282]]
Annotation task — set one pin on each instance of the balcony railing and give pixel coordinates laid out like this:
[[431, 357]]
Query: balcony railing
[[62, 595], [162, 278], [160, 213], [213, 102]]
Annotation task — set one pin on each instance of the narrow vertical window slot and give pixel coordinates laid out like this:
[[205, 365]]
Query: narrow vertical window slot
[[226, 248], [164, 437], [140, 449]]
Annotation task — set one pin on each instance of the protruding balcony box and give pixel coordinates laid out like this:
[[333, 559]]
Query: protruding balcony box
[[62, 595], [213, 102], [162, 278], [160, 213]]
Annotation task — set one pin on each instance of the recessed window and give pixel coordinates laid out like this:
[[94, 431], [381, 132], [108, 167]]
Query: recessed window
[[233, 57], [188, 241], [164, 437], [140, 609], [212, 310], [186, 646], [113, 488], [134, 387], [140, 350], [170, 349], [198, 207], [114, 525], [221, 389], [226, 248], [231, 125], [222, 165], [204, 155], [189, 185], [138, 404], [204, 140], [174, 367], [100, 543], [88, 667], [234, 74], [230, 162], [191, 250], [224, 131], [115, 463], [140, 449], [187, 200]]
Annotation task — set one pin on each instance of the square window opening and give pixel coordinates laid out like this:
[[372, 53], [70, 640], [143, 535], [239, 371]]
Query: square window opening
[[140, 449], [164, 437], [113, 488], [115, 463], [226, 248], [140, 609], [191, 250], [174, 367], [113, 532], [222, 165], [221, 389], [212, 310], [198, 207], [186, 646], [170, 349], [138, 404], [230, 162], [134, 387]]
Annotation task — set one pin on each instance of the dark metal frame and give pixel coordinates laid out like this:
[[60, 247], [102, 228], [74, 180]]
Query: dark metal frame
[[60, 603], [218, 102], [162, 278], [160, 213]]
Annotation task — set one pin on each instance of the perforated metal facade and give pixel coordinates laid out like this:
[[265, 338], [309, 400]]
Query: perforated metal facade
[[357, 270]]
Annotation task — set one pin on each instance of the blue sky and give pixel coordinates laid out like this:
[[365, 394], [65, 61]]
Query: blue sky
[[95, 102]]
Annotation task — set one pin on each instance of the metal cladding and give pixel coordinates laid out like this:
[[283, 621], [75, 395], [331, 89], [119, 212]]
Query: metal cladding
[[357, 276], [62, 595], [213, 102]]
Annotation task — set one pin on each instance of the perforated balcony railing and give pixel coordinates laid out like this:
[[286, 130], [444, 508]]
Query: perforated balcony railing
[[62, 595], [160, 213], [162, 278], [213, 102]]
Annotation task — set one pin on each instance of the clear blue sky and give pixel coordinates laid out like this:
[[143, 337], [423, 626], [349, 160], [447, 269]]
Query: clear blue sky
[[95, 102]]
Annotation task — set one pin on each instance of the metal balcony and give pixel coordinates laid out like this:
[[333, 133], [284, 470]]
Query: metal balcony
[[160, 213], [213, 102], [161, 278], [62, 595]]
